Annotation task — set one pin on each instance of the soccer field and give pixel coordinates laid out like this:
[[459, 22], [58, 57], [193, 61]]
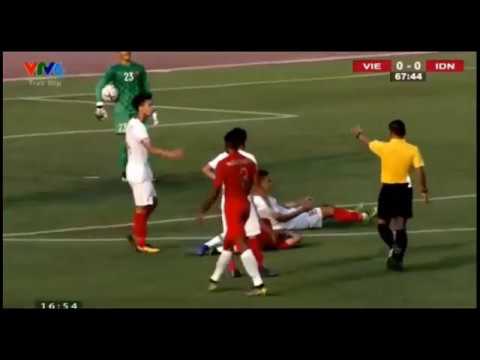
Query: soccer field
[[66, 212]]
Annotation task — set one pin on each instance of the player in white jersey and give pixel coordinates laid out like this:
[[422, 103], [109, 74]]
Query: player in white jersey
[[138, 172], [299, 215], [252, 227]]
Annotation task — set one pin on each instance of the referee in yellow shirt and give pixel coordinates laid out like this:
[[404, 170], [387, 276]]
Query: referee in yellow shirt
[[397, 157]]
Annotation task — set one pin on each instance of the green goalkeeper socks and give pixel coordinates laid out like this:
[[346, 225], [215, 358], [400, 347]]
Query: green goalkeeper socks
[[123, 156]]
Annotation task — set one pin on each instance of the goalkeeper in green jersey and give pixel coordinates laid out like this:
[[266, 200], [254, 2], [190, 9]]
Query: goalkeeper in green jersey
[[130, 79]]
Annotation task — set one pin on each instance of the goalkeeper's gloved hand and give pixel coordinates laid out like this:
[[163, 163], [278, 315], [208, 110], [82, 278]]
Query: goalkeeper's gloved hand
[[155, 119], [100, 112]]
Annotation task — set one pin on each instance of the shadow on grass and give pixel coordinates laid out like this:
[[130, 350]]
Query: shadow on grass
[[448, 262], [76, 190], [429, 248], [224, 289], [330, 263], [448, 246]]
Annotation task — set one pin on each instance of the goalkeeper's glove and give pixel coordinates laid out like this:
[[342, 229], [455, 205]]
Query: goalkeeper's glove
[[155, 119], [100, 112]]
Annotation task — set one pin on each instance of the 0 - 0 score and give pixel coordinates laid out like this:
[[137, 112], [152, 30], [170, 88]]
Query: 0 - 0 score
[[417, 66], [404, 72]]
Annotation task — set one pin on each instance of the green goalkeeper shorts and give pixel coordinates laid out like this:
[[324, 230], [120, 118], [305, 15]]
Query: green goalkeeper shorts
[[121, 116]]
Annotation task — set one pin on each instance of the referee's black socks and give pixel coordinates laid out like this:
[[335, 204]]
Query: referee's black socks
[[386, 234], [401, 239]]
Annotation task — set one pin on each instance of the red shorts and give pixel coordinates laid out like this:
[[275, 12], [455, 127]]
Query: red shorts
[[236, 215], [266, 237], [267, 242]]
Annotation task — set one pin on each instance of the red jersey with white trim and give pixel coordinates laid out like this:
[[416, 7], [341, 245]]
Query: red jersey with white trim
[[237, 174]]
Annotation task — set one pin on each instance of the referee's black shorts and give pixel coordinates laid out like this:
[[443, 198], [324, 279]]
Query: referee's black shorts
[[395, 200]]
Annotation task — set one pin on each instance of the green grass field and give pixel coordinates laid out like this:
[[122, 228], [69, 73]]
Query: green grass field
[[304, 141]]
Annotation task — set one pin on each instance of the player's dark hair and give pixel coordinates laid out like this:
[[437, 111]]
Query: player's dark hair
[[235, 138], [242, 134], [397, 127], [262, 173], [140, 99]]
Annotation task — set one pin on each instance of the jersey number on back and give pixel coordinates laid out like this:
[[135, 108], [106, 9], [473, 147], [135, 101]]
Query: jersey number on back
[[128, 76]]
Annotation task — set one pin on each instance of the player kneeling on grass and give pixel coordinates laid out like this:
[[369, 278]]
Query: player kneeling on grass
[[236, 174], [139, 174], [279, 220], [252, 226]]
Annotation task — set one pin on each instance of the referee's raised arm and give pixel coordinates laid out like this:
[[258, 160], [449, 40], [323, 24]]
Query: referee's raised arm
[[358, 133], [395, 200]]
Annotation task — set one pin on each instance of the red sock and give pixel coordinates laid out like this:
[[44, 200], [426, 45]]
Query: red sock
[[256, 248], [140, 227], [283, 245], [150, 211], [346, 216], [231, 265]]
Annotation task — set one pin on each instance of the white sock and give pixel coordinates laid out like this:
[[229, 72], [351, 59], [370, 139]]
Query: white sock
[[217, 240], [221, 265], [220, 249], [251, 267]]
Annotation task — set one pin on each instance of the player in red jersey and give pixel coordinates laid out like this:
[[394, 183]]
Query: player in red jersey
[[236, 174]]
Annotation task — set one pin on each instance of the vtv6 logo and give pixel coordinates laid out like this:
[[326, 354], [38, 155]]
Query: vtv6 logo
[[44, 69]]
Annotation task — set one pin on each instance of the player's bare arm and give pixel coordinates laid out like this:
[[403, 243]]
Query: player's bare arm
[[358, 133], [208, 203], [175, 154], [290, 236], [209, 172], [306, 206], [297, 203], [423, 183]]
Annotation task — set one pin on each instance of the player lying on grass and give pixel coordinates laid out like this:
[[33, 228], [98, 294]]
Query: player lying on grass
[[234, 176], [130, 79], [252, 226], [280, 220], [138, 172]]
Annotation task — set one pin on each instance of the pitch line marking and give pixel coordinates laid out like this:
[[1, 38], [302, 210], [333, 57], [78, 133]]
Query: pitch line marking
[[214, 86], [245, 64], [184, 238], [210, 86], [168, 107], [192, 123], [452, 197], [269, 116], [186, 219]]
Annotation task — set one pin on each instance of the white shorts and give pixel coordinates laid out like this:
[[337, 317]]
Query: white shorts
[[311, 220], [143, 193], [252, 227]]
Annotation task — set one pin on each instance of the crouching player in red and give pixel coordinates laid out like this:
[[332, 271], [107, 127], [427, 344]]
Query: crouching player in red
[[236, 174]]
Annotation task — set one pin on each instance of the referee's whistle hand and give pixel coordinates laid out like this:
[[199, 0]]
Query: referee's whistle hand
[[356, 130]]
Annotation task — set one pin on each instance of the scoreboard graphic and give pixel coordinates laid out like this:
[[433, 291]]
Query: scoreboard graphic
[[401, 70]]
